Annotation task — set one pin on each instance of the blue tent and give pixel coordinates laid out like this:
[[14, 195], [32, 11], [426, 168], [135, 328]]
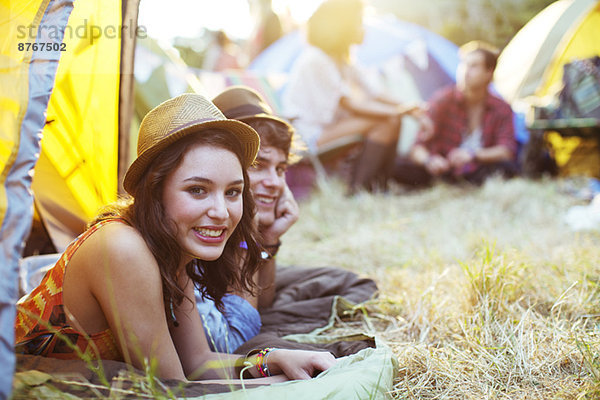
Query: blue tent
[[428, 58]]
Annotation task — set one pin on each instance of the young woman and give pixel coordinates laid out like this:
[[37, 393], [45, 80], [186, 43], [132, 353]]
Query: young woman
[[327, 98], [124, 290]]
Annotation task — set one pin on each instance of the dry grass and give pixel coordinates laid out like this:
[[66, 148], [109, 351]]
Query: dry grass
[[485, 292]]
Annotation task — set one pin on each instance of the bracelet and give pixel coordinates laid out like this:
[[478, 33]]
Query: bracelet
[[271, 250], [261, 361]]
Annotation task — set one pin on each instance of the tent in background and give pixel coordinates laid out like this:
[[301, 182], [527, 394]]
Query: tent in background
[[532, 62], [530, 70], [389, 43], [404, 59], [79, 100], [160, 74]]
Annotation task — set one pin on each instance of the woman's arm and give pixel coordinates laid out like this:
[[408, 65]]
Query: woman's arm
[[124, 278], [119, 274], [373, 107], [198, 361], [287, 212]]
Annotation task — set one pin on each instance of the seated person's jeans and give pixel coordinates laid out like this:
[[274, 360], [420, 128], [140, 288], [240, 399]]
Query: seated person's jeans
[[227, 331]]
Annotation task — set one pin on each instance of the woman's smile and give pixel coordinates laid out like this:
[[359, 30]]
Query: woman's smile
[[203, 199], [211, 234]]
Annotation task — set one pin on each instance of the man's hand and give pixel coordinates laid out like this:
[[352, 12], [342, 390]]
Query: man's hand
[[437, 165], [460, 157], [286, 214]]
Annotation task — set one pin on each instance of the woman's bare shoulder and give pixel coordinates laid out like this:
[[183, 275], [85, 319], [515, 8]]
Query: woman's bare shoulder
[[122, 246]]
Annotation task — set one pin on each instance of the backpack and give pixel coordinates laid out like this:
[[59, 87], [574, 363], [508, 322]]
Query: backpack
[[580, 95]]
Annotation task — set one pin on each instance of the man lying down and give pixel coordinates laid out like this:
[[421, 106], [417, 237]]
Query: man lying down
[[290, 300]]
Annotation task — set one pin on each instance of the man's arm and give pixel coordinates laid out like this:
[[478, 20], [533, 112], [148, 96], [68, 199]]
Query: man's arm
[[504, 146], [286, 215], [266, 282], [493, 154]]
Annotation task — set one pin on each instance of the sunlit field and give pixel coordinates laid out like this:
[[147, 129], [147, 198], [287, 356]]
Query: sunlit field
[[484, 292]]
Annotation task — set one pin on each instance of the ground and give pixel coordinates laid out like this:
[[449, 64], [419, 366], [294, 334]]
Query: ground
[[484, 292]]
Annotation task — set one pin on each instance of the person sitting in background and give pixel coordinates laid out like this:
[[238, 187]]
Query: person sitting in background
[[239, 319], [471, 134], [124, 289], [327, 98], [222, 54]]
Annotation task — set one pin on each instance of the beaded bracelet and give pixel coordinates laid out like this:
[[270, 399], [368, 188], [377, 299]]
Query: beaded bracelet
[[261, 361]]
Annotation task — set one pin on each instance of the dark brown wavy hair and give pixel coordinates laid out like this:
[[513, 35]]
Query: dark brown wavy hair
[[145, 211]]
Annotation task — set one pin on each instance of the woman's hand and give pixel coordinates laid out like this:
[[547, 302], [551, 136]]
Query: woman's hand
[[414, 109], [299, 364]]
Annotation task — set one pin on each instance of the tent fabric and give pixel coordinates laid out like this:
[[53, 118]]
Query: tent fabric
[[27, 79], [580, 42], [430, 59], [74, 105], [530, 68], [77, 170], [531, 64], [404, 60]]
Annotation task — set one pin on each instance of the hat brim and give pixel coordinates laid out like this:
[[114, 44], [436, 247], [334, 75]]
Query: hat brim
[[267, 117], [246, 135]]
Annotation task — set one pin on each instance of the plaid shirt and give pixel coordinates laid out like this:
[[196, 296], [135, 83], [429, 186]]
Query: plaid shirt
[[448, 111]]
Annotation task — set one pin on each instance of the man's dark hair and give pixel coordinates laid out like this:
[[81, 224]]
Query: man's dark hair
[[273, 133], [490, 53]]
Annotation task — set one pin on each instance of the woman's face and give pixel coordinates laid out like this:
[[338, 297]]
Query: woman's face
[[203, 199]]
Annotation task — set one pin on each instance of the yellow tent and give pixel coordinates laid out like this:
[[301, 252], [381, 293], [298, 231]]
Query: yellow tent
[[78, 166], [66, 76], [530, 68]]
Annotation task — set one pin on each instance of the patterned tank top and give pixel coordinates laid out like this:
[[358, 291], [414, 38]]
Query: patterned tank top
[[41, 326]]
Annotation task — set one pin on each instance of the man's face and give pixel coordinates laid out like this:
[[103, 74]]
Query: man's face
[[267, 180], [472, 73]]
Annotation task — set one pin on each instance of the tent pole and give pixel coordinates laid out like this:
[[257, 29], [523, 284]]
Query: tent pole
[[128, 39]]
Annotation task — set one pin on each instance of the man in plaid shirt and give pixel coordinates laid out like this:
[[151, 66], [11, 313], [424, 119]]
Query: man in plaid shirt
[[471, 134]]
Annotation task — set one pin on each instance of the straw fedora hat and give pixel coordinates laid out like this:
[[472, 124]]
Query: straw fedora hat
[[244, 103], [177, 118]]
